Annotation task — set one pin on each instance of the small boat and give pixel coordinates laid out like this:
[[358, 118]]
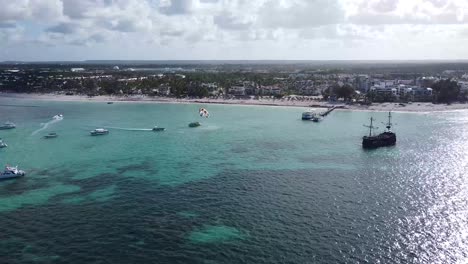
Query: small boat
[[7, 125], [3, 144], [11, 172], [194, 124], [110, 102], [308, 115], [99, 132], [317, 119], [58, 117], [157, 129], [51, 135]]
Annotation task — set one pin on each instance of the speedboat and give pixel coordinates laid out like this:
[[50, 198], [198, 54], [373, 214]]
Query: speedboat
[[194, 124], [51, 135], [7, 125], [58, 117], [99, 132], [157, 129], [11, 172], [3, 144]]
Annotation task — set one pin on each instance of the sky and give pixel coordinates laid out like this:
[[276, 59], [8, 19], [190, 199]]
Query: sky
[[64, 30]]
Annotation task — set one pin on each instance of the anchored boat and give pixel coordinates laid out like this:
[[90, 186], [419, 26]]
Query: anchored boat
[[11, 172], [387, 138], [8, 125], [308, 115], [194, 124]]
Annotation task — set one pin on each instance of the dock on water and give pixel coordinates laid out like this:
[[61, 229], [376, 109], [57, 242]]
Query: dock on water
[[324, 114]]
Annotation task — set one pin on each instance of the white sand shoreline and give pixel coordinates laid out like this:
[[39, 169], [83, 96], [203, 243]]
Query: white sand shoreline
[[413, 107]]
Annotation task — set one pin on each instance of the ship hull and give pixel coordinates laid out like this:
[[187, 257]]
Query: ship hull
[[383, 140], [10, 176]]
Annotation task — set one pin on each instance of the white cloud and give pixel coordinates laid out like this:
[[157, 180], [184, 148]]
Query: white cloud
[[254, 28], [300, 13], [45, 10]]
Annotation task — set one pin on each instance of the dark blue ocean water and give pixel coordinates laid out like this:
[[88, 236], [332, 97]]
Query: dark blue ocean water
[[251, 185]]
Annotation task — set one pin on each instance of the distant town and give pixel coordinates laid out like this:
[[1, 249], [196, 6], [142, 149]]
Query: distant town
[[356, 83]]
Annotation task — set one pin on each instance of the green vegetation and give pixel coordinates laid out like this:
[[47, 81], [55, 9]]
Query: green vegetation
[[446, 91], [345, 91]]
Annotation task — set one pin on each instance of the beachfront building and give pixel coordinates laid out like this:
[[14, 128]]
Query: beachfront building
[[387, 92], [237, 90], [271, 90], [384, 90], [362, 83], [212, 88], [426, 81], [463, 85], [163, 90], [243, 89], [415, 93]]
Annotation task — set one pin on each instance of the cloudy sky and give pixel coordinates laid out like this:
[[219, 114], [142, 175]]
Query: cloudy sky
[[233, 29]]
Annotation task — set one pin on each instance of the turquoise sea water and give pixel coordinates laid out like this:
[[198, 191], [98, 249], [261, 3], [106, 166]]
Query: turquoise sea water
[[251, 185]]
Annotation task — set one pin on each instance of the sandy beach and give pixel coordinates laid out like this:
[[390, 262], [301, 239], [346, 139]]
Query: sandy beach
[[412, 107]]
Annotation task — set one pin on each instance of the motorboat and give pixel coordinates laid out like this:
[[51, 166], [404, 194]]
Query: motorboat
[[99, 132], [158, 129], [58, 117], [194, 124], [3, 144], [11, 172], [110, 102], [8, 125], [51, 135]]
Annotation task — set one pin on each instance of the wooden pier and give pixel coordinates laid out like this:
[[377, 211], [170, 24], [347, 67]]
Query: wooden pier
[[324, 114]]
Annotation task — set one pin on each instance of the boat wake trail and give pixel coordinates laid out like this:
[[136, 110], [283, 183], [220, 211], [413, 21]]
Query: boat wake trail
[[46, 125], [131, 129]]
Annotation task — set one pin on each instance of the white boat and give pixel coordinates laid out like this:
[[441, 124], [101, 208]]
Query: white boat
[[157, 129], [11, 172], [99, 132], [58, 117], [3, 144], [51, 135], [308, 115], [7, 125]]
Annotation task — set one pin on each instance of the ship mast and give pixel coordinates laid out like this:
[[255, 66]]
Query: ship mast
[[371, 126], [389, 124]]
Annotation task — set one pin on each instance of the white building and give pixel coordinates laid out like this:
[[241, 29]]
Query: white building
[[463, 85]]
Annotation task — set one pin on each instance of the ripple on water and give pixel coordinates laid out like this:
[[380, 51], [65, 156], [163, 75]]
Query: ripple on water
[[100, 195], [187, 214], [35, 197], [215, 234]]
